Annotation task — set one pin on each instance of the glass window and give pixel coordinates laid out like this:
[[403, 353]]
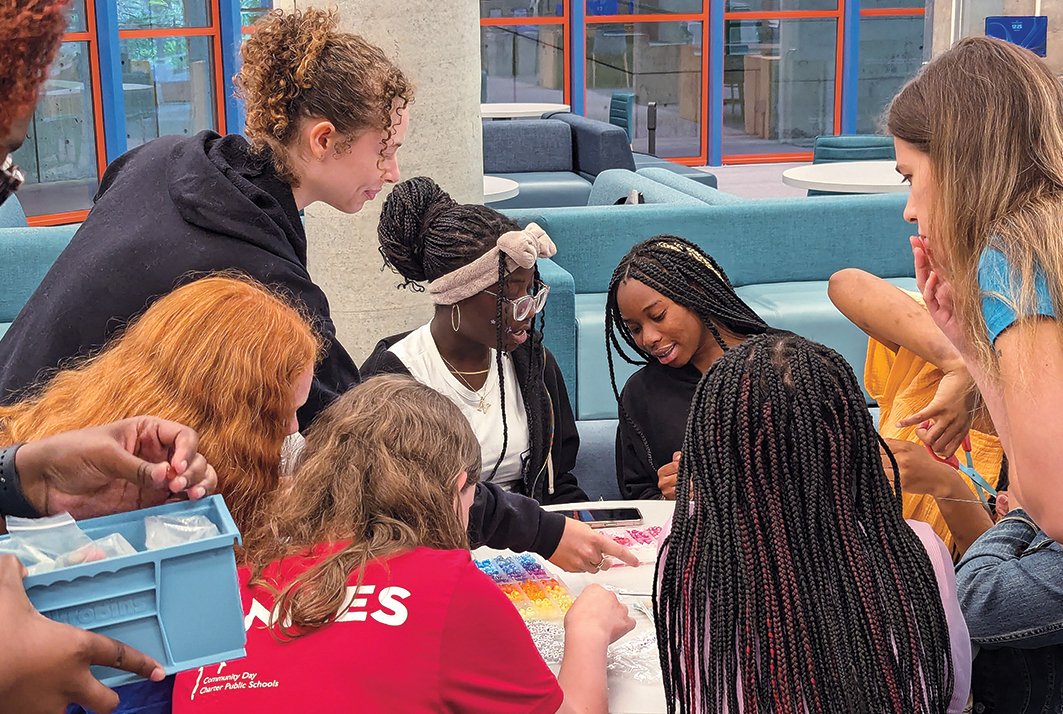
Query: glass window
[[658, 61], [522, 8], [156, 14], [168, 86], [778, 85], [888, 4], [522, 63], [781, 5], [974, 12], [252, 10], [76, 18], [891, 52], [59, 154], [643, 7]]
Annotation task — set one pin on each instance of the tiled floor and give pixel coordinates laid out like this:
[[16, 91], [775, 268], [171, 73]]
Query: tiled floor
[[754, 180]]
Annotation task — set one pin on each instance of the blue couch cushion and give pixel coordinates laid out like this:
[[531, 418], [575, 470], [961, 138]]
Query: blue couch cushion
[[521, 146], [614, 184], [805, 309], [706, 194], [646, 161], [11, 214], [596, 462], [539, 189], [598, 145], [756, 241], [593, 394], [26, 255]]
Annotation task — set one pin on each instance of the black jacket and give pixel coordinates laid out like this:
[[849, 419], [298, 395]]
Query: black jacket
[[167, 212], [507, 518], [656, 400]]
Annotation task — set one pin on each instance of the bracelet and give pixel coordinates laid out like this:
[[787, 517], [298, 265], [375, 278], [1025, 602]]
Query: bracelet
[[13, 501]]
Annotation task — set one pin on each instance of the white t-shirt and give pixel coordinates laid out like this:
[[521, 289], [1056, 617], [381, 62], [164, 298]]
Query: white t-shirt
[[419, 353]]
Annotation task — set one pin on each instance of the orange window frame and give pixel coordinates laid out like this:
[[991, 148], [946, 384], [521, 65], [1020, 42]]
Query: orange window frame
[[566, 42], [90, 37]]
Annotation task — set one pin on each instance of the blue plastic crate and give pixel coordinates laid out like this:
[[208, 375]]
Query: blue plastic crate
[[180, 605]]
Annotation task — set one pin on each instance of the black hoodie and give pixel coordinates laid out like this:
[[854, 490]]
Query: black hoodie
[[168, 212]]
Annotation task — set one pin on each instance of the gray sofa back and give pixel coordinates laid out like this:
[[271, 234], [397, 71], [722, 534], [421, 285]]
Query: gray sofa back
[[521, 146]]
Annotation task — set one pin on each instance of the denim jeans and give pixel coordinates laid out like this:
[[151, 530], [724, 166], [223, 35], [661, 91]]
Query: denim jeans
[[1010, 587]]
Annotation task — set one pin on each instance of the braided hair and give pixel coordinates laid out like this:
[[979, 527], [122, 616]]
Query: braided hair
[[686, 275], [789, 570], [425, 234]]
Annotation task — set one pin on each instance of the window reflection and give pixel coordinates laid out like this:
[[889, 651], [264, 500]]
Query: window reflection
[[778, 87], [154, 14], [59, 154], [658, 61], [523, 63], [167, 86], [891, 52], [521, 8]]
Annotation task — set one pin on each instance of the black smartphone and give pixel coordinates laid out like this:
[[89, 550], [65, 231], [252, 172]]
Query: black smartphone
[[606, 517]]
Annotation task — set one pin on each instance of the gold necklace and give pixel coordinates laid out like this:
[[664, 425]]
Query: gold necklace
[[481, 393]]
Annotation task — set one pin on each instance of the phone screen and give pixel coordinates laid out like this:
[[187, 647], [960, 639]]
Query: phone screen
[[617, 516]]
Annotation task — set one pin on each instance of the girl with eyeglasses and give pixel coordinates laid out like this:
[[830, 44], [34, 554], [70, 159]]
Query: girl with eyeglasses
[[483, 351]]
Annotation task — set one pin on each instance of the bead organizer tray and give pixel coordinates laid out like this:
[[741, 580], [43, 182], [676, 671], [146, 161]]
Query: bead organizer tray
[[640, 541], [536, 593]]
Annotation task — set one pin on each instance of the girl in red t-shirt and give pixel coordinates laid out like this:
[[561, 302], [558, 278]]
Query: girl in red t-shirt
[[360, 594]]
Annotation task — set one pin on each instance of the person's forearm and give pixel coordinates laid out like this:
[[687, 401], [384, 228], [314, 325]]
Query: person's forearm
[[963, 512], [583, 672], [889, 315]]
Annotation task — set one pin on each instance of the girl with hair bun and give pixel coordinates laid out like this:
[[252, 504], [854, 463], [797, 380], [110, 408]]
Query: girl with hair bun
[[673, 305], [326, 112], [483, 351]]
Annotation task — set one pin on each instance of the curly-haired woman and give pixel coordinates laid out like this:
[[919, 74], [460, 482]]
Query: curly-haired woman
[[326, 112]]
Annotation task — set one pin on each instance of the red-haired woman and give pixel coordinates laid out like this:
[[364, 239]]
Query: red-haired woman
[[221, 355]]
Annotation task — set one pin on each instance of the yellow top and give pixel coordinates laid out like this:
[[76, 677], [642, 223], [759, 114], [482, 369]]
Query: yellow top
[[902, 383]]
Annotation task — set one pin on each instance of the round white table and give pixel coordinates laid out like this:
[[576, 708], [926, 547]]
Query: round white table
[[848, 177], [497, 188], [519, 110], [626, 695]]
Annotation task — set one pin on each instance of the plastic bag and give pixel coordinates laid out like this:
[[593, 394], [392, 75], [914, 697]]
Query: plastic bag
[[636, 658], [164, 531], [44, 540], [112, 546]]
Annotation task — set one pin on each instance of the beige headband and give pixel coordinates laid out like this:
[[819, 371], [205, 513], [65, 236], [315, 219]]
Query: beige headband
[[522, 249]]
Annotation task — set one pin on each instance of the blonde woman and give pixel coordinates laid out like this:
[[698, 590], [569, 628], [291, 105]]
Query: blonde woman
[[979, 134]]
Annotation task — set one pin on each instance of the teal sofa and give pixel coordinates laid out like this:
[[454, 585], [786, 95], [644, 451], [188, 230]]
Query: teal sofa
[[26, 254], [779, 253]]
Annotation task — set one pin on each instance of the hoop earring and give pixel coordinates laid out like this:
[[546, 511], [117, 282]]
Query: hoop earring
[[455, 317]]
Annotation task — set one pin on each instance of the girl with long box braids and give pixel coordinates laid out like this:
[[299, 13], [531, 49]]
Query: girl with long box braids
[[483, 350], [789, 580], [674, 307]]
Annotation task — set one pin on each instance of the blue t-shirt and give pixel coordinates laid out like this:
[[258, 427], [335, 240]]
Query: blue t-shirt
[[997, 279]]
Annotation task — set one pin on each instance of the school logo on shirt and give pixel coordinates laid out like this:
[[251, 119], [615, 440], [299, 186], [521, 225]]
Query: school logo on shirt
[[355, 608]]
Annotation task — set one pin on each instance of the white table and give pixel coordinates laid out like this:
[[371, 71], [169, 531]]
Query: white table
[[519, 110], [626, 695], [497, 188], [848, 177]]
